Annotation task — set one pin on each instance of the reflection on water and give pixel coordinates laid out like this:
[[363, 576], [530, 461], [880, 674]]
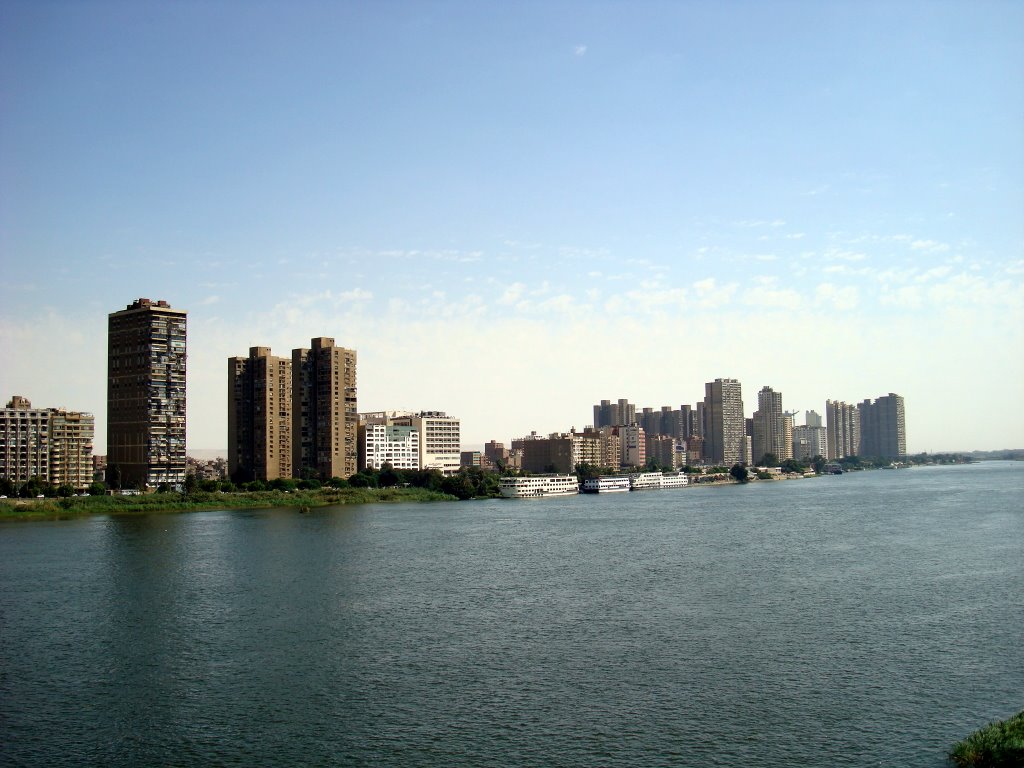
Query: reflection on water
[[864, 619]]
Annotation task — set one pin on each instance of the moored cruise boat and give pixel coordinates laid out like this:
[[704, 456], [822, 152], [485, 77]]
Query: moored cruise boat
[[674, 480], [606, 484], [538, 486], [643, 481]]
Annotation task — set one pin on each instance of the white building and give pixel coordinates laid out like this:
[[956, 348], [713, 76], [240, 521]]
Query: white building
[[381, 444], [808, 442], [440, 438]]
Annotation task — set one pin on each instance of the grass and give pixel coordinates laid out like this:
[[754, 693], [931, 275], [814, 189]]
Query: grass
[[75, 507], [997, 745]]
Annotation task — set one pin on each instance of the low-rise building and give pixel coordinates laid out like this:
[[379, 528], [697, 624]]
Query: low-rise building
[[381, 443]]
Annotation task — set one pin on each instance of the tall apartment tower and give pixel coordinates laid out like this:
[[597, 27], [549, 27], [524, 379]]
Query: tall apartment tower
[[146, 396], [259, 416], [724, 425], [883, 429], [609, 414], [842, 429], [769, 427], [325, 418]]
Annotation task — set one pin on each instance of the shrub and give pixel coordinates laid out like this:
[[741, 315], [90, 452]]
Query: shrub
[[997, 745]]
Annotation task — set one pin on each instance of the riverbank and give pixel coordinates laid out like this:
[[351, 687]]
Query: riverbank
[[997, 745], [157, 503]]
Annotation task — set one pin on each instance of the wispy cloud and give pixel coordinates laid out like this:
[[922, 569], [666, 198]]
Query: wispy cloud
[[844, 298], [929, 246], [580, 50]]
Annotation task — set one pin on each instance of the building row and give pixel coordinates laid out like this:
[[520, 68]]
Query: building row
[[293, 416], [298, 417], [715, 430]]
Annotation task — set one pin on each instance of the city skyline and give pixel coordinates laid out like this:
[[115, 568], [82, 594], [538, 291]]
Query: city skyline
[[511, 213]]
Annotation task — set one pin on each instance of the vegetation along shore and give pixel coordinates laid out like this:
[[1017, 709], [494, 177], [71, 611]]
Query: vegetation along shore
[[38, 501], [997, 745]]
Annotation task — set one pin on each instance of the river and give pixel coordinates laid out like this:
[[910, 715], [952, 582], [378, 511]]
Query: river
[[867, 619]]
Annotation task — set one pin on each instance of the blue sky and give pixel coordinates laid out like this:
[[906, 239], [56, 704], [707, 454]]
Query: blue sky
[[512, 211]]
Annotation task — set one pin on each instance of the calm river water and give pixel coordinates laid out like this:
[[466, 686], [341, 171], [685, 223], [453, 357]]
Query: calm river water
[[868, 619]]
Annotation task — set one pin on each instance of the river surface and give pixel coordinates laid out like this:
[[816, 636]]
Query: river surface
[[868, 619]]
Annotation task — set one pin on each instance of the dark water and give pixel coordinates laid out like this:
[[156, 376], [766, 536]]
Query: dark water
[[868, 619]]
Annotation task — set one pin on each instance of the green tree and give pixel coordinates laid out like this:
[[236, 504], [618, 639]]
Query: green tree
[[191, 483], [459, 485], [65, 490], [97, 489], [769, 460], [819, 462], [360, 480], [793, 467], [388, 477], [740, 473]]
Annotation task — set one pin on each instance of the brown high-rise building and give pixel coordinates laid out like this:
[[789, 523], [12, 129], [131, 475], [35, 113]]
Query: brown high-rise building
[[724, 428], [146, 396], [325, 418], [883, 430], [769, 426], [843, 429], [259, 416]]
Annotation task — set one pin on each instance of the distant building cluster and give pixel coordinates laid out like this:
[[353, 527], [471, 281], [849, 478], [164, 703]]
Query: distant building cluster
[[715, 432], [297, 417]]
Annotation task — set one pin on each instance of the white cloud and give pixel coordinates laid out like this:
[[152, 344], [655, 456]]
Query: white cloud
[[580, 50], [767, 294], [512, 294], [932, 274], [711, 295], [929, 246], [844, 299]]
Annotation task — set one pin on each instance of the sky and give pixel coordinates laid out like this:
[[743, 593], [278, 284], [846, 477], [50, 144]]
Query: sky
[[512, 211]]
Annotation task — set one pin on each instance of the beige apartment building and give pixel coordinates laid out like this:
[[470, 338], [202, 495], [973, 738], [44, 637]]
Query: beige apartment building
[[325, 415], [842, 429], [259, 416], [293, 417], [53, 445]]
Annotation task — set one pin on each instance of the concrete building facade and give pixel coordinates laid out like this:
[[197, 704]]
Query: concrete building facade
[[382, 443], [808, 442], [259, 416], [842, 425], [768, 434], [725, 440], [883, 430], [325, 415], [52, 445], [146, 396], [440, 438], [609, 414]]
